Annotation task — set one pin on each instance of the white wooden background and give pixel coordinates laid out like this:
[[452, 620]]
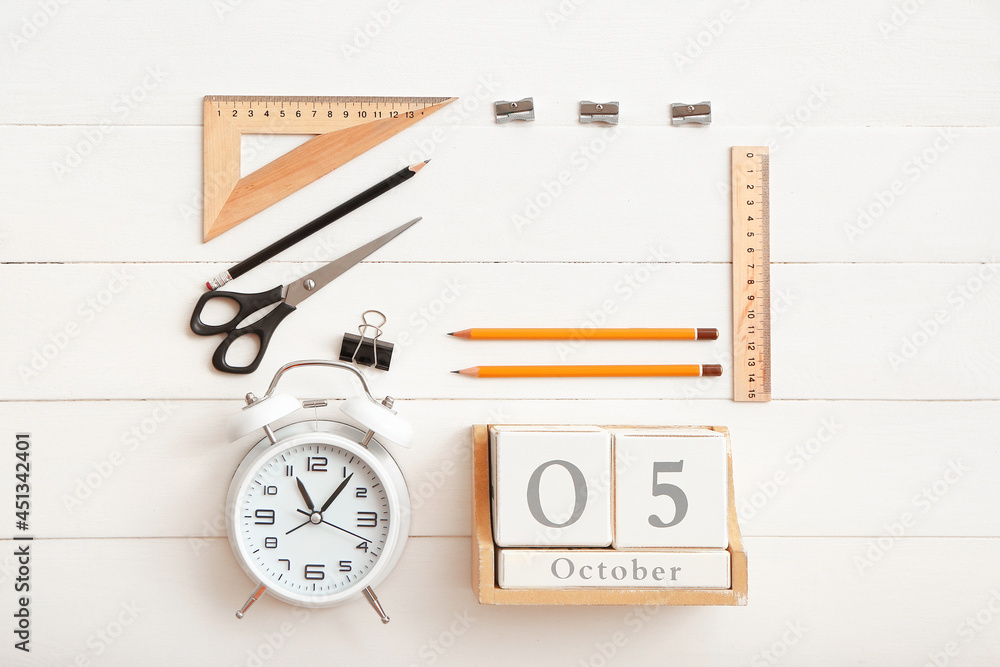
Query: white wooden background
[[885, 329]]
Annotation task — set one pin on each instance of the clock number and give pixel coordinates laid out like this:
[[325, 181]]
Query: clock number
[[314, 572], [579, 487], [316, 463], [345, 566], [367, 519], [270, 542], [264, 517], [674, 492], [288, 564], [270, 490], [361, 492], [288, 471], [363, 546]]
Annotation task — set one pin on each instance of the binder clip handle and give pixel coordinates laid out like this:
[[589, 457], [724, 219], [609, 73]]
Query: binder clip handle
[[368, 349]]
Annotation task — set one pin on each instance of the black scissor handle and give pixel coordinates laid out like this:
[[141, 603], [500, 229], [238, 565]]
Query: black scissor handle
[[248, 303], [262, 328]]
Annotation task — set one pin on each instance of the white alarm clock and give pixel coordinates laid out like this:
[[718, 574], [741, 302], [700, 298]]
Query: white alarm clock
[[318, 511]]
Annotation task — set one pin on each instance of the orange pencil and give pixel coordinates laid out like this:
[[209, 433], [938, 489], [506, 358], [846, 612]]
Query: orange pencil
[[590, 334], [648, 370]]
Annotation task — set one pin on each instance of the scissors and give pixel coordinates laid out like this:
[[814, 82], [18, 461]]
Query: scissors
[[294, 294]]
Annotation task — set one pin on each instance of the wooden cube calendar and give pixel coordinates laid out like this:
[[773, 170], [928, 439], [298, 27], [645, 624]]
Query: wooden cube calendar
[[606, 515]]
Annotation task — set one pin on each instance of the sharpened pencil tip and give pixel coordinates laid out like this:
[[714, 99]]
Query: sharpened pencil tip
[[456, 371], [451, 333], [418, 166], [427, 160]]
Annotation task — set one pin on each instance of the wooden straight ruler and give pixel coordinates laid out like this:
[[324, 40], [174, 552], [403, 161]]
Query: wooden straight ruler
[[751, 274], [346, 128]]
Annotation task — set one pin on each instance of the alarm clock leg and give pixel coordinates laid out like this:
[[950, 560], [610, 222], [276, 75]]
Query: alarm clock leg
[[370, 595], [253, 598]]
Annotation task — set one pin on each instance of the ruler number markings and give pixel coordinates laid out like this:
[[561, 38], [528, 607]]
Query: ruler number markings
[[751, 275]]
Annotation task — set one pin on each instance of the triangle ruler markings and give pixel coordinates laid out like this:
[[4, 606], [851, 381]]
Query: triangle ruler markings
[[345, 127]]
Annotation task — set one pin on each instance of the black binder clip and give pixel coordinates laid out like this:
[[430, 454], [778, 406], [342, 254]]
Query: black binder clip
[[365, 348]]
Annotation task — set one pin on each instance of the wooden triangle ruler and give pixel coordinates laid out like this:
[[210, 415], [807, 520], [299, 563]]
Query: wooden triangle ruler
[[346, 128]]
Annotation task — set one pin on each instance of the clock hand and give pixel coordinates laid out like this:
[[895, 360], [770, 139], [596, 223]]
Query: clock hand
[[298, 526], [347, 531], [305, 494], [336, 493], [335, 526]]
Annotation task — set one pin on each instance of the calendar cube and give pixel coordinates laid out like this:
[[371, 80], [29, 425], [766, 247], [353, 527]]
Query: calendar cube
[[671, 488], [551, 486]]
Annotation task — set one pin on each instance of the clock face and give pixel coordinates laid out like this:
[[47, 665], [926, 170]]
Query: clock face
[[312, 519]]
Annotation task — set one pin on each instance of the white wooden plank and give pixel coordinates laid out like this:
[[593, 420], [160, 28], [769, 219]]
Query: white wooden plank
[[843, 331], [120, 599], [581, 193], [801, 467], [880, 64]]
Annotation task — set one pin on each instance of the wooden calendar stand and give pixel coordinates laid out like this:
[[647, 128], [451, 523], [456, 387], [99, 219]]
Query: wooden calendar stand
[[484, 580]]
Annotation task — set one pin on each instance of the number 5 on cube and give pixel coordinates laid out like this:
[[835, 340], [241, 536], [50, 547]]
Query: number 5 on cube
[[671, 488]]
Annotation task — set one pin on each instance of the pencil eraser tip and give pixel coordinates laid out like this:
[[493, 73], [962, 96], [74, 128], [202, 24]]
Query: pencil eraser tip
[[711, 369]]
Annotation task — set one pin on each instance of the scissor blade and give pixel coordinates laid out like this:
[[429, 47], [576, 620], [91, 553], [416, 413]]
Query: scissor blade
[[298, 290]]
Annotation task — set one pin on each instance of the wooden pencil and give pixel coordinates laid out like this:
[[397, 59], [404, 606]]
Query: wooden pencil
[[647, 370], [587, 334], [287, 241]]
